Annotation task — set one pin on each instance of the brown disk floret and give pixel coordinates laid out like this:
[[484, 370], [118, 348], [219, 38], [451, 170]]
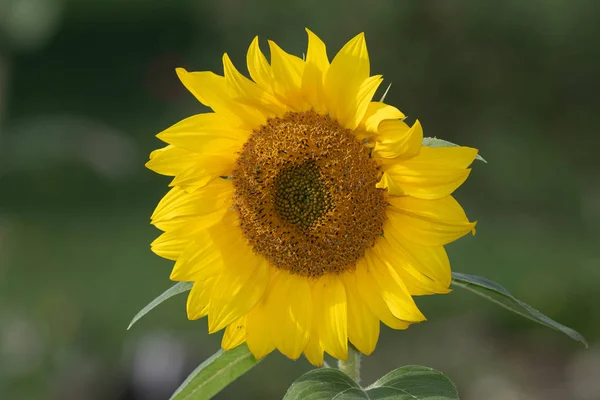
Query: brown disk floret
[[304, 191]]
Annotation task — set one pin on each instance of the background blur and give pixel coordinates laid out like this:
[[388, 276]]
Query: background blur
[[85, 86]]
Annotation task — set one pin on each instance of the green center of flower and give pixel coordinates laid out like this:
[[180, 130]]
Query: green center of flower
[[305, 195], [301, 196]]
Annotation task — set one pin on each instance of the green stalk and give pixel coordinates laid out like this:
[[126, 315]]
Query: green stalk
[[351, 366]]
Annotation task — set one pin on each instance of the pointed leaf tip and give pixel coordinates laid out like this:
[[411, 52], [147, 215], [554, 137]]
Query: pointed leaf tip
[[498, 294], [176, 289]]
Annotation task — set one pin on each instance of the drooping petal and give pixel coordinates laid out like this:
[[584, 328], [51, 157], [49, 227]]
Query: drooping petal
[[208, 133], [258, 335], [212, 91], [396, 139], [347, 73], [258, 66], [243, 279], [199, 299], [370, 292], [235, 334], [435, 173], [317, 64], [429, 261], [427, 222], [330, 314], [427, 275], [178, 205], [236, 291], [249, 93], [386, 182], [393, 290], [314, 352], [363, 325], [287, 77], [376, 113], [290, 308]]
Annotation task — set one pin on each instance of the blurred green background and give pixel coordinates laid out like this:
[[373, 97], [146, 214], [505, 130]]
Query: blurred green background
[[85, 86]]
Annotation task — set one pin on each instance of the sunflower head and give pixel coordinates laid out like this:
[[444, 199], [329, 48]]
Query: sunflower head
[[306, 196], [304, 212]]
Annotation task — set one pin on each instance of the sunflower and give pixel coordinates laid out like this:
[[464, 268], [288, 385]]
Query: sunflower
[[303, 212]]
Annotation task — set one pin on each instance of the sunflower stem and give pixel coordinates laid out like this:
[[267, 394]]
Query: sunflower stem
[[351, 366]]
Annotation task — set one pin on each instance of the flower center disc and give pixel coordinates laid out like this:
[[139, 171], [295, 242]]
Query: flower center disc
[[304, 191]]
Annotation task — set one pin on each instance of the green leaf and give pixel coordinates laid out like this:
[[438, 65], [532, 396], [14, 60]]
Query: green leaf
[[216, 373], [413, 382], [499, 295], [176, 289], [406, 383], [325, 383], [435, 142]]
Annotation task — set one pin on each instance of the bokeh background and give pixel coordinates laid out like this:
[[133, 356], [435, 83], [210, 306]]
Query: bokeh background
[[85, 86]]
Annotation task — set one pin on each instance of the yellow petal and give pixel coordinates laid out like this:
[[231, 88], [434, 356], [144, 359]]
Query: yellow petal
[[199, 298], [258, 66], [236, 291], [249, 93], [330, 315], [363, 325], [178, 204], [290, 308], [427, 222], [363, 98], [393, 290], [258, 335], [243, 278], [287, 77], [416, 260], [386, 182], [228, 236], [314, 352], [208, 169], [193, 179], [200, 259], [376, 113], [212, 91], [370, 291], [396, 139], [200, 221], [315, 70], [173, 242], [235, 334], [435, 173], [208, 133], [170, 245], [172, 160], [347, 72], [431, 261], [428, 275]]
